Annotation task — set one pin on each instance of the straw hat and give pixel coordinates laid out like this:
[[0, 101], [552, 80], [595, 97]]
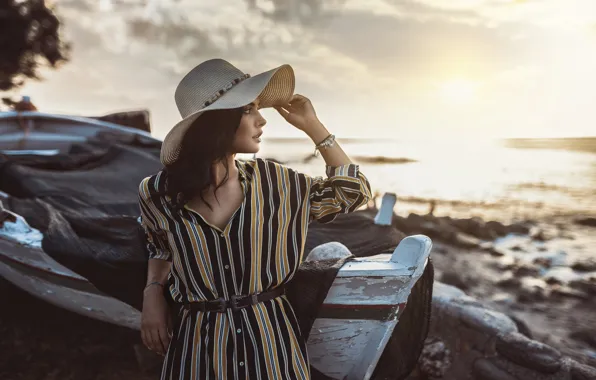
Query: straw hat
[[216, 84]]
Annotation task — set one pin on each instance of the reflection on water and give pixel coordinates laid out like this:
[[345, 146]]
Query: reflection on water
[[483, 177]]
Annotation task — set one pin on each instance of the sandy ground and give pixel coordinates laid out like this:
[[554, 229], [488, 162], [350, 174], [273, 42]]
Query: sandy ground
[[40, 341]]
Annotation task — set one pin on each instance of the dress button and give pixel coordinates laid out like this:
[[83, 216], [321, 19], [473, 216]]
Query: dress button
[[241, 364], [227, 267], [238, 331]]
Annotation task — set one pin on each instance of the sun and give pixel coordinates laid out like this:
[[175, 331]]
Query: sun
[[458, 91]]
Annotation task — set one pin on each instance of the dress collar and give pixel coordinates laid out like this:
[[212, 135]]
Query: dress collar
[[243, 171]]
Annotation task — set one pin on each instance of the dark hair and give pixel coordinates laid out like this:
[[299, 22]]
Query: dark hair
[[208, 140]]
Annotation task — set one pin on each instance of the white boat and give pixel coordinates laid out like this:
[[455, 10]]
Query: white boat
[[354, 324]]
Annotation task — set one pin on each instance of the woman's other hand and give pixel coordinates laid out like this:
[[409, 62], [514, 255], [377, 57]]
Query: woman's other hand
[[300, 113], [156, 322]]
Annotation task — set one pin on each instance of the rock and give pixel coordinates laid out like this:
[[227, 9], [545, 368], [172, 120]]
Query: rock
[[581, 371], [553, 281], [587, 285], [434, 230], [435, 358], [466, 241], [565, 291], [544, 262], [507, 263], [498, 228], [532, 290], [518, 228], [528, 353], [585, 335], [492, 249], [504, 298], [522, 326], [508, 280], [589, 222], [587, 264], [474, 227], [523, 270], [427, 225], [484, 369], [456, 279], [539, 234], [401, 224]]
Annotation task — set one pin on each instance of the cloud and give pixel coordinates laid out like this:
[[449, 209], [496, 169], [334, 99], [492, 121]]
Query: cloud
[[366, 62]]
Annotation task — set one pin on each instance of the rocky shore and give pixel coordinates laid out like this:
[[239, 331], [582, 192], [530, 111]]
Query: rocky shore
[[469, 340], [512, 301], [529, 306]]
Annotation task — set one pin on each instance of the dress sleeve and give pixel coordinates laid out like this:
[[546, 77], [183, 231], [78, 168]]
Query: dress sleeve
[[156, 238], [344, 190]]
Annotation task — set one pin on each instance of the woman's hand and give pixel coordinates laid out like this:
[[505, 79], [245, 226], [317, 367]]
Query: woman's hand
[[156, 322], [300, 113]]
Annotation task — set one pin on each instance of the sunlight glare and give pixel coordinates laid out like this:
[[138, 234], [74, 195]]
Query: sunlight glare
[[458, 91]]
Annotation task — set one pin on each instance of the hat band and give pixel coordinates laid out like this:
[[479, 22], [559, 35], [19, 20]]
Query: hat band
[[219, 93]]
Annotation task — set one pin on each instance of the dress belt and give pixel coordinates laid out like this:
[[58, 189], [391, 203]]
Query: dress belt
[[235, 303]]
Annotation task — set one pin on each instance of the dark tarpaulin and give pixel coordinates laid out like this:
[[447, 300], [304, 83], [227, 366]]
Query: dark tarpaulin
[[85, 202]]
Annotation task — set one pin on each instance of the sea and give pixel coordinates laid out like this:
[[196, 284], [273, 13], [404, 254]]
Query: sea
[[505, 179]]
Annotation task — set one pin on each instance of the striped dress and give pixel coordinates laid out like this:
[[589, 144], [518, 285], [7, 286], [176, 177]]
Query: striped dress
[[260, 248]]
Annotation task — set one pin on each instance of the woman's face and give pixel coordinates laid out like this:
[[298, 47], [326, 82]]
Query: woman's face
[[248, 134]]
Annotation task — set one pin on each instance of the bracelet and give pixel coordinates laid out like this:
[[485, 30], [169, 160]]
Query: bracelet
[[153, 283], [329, 141]]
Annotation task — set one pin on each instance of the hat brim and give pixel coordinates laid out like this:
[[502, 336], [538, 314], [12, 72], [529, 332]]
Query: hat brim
[[273, 88]]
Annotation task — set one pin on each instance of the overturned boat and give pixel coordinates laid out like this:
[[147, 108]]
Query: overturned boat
[[69, 235]]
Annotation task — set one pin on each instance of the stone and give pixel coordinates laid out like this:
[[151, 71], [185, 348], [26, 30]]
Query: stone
[[484, 369], [518, 228], [565, 291], [522, 326], [589, 221], [587, 264], [532, 290], [544, 262], [492, 249], [587, 285], [581, 371], [456, 279], [585, 335], [523, 270], [508, 280], [497, 227], [435, 358], [528, 353], [553, 281], [466, 241], [475, 227], [539, 234]]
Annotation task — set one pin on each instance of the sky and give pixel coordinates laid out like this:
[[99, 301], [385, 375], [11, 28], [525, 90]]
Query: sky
[[372, 68]]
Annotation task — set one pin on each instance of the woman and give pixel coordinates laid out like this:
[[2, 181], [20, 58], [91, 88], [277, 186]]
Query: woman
[[227, 235]]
